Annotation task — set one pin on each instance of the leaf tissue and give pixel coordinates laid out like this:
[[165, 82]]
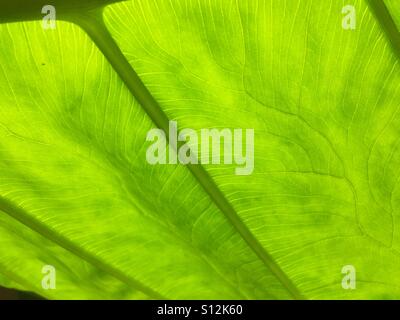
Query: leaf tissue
[[85, 215]]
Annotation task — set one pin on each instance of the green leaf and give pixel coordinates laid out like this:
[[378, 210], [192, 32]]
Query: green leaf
[[394, 8], [77, 193]]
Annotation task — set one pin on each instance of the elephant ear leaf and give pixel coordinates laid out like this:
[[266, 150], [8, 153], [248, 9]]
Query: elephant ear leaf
[[82, 213]]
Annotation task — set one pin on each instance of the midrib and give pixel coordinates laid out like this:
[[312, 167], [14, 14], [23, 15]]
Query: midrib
[[385, 19], [92, 23], [94, 26]]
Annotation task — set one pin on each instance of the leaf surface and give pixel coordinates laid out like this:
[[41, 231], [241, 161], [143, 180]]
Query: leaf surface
[[76, 191]]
